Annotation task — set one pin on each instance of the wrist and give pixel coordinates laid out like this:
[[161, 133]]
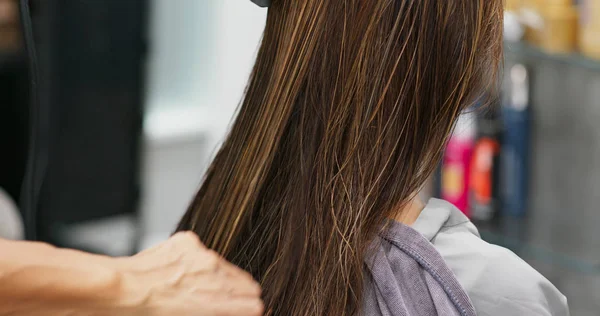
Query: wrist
[[106, 289], [132, 295]]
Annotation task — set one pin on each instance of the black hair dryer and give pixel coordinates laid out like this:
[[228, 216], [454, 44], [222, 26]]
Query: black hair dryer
[[262, 3]]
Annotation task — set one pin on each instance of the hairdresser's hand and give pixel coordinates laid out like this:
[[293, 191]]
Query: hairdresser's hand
[[182, 277]]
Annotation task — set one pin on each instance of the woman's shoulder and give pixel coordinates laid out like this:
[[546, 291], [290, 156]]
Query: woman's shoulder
[[497, 280]]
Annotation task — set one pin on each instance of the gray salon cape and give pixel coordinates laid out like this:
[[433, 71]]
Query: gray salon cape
[[440, 266]]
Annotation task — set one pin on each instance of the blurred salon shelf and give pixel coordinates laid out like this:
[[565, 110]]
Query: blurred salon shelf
[[574, 59], [559, 236]]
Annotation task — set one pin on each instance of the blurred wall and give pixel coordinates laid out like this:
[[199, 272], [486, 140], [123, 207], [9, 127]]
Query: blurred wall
[[183, 52], [200, 57]]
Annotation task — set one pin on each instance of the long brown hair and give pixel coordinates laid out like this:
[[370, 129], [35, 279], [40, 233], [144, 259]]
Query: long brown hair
[[345, 115]]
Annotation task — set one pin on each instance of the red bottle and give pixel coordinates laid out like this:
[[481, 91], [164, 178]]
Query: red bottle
[[457, 163]]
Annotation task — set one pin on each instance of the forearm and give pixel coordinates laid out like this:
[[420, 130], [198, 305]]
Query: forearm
[[37, 279]]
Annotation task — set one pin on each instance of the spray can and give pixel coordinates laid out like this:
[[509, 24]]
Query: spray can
[[485, 167]]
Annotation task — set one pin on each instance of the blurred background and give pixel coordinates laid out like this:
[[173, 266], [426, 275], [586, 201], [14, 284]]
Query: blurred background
[[138, 94]]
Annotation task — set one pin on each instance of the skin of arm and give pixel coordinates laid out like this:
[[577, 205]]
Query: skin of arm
[[38, 279], [177, 277]]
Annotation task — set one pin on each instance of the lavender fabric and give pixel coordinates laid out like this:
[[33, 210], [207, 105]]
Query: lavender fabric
[[406, 276]]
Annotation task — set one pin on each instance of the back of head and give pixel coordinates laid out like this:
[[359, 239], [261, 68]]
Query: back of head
[[345, 116]]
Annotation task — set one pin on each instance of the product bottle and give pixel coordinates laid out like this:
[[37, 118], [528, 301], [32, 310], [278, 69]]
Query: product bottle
[[457, 162], [515, 145], [559, 31], [532, 18], [589, 26], [513, 28], [512, 5], [484, 186]]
